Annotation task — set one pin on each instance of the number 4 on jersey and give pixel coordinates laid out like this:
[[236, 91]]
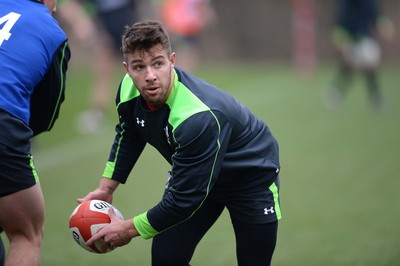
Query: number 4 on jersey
[[8, 21]]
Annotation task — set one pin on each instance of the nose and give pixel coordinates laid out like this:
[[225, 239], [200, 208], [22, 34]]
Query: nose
[[150, 76]]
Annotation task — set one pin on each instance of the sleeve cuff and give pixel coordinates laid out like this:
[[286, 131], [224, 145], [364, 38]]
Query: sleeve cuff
[[109, 169], [144, 227]]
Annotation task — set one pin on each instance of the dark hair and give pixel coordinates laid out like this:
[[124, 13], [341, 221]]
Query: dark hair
[[143, 36]]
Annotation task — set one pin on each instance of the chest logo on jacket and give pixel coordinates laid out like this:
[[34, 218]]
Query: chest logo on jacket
[[140, 122], [167, 135]]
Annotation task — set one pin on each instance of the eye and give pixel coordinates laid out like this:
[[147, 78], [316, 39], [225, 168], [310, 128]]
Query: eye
[[158, 64], [137, 67]]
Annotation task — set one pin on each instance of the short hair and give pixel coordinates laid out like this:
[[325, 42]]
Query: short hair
[[143, 36]]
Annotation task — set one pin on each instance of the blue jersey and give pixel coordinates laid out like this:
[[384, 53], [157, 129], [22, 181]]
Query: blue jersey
[[33, 61]]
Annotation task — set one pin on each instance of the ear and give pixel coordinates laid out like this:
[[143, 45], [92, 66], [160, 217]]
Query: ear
[[172, 58], [125, 66]]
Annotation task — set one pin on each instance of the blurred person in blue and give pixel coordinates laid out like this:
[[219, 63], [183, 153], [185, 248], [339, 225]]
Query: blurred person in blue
[[34, 55], [356, 39], [221, 156], [99, 25]]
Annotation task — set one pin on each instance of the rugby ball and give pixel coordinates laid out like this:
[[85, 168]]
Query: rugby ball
[[87, 219]]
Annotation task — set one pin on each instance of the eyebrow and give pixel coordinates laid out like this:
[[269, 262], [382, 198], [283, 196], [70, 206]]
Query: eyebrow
[[133, 61]]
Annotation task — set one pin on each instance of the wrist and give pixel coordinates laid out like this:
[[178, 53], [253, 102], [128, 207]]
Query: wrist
[[132, 230], [108, 189], [108, 185]]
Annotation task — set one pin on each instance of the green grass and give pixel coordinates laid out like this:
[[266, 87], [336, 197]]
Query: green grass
[[340, 173]]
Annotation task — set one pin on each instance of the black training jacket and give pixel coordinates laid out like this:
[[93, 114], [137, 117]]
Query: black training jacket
[[207, 136]]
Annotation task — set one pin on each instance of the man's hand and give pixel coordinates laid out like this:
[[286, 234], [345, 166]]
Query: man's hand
[[118, 233], [103, 192]]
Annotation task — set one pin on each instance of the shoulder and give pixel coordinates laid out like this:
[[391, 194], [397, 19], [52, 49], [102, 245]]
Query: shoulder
[[183, 102], [127, 90], [32, 19], [126, 100], [199, 128]]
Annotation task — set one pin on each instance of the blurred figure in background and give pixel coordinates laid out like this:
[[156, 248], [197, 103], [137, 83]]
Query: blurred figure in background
[[355, 38], [185, 20], [34, 56], [99, 25]]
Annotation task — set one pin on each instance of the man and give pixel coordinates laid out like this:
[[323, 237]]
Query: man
[[33, 62], [355, 40], [221, 154]]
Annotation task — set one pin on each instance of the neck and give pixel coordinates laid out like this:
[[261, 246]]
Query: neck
[[151, 107]]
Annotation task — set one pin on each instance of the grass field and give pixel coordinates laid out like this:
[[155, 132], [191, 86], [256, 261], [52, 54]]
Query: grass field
[[339, 178]]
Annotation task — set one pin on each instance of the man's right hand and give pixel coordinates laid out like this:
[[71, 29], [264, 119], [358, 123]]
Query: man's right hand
[[103, 192]]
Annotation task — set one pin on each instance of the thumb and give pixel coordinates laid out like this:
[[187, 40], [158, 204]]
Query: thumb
[[80, 200], [112, 215]]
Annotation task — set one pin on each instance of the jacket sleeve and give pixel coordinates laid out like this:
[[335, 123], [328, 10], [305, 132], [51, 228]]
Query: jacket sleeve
[[49, 93], [127, 146], [124, 153]]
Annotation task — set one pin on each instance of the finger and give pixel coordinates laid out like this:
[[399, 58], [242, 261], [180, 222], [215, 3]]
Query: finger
[[99, 235], [89, 196], [80, 200], [102, 247], [112, 214]]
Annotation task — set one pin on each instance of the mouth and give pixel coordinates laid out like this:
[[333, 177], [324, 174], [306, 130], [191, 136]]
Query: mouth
[[152, 89]]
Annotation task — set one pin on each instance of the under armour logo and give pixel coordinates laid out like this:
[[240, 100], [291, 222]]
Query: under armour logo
[[268, 211], [140, 122]]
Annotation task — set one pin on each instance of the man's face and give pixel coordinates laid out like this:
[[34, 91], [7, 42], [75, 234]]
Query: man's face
[[152, 74]]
